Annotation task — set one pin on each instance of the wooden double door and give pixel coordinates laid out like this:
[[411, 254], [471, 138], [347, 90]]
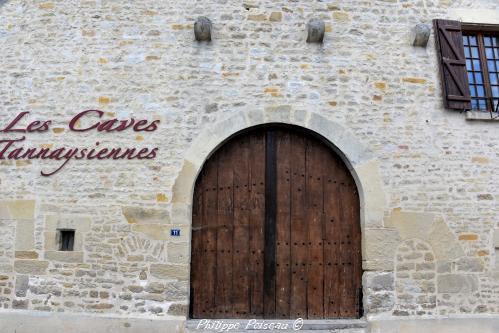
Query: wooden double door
[[276, 230]]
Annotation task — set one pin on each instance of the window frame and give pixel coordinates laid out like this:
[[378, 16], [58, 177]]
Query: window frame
[[480, 30]]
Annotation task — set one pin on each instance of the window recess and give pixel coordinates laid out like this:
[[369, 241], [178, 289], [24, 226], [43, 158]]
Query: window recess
[[469, 65]]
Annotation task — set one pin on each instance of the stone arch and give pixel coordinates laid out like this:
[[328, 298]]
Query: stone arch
[[359, 160], [356, 156], [415, 279]]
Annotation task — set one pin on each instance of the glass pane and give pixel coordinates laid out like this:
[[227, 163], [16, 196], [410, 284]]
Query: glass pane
[[495, 41], [494, 78], [497, 65], [474, 52], [487, 41], [482, 105], [471, 80], [476, 65], [496, 53], [468, 65], [495, 91], [474, 104], [478, 78], [480, 91], [491, 66], [473, 92], [489, 53], [473, 40], [496, 103], [465, 40], [467, 52]]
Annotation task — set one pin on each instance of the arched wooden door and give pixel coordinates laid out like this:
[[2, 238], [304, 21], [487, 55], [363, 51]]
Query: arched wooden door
[[276, 230]]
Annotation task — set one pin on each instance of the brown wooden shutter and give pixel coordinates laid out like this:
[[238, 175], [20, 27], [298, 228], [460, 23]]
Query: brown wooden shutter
[[449, 40]]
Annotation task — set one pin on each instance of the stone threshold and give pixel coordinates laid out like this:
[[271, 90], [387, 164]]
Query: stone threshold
[[195, 325]]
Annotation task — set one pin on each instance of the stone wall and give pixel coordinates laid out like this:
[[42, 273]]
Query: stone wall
[[427, 175]]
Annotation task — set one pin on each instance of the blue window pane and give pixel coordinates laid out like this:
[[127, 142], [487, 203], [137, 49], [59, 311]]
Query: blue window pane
[[473, 92], [489, 53], [493, 78], [474, 104], [474, 52], [495, 91], [491, 66], [473, 40], [480, 91], [470, 78], [495, 41], [465, 40], [476, 65], [466, 52], [497, 65], [487, 41], [468, 65], [482, 105], [478, 78], [496, 53]]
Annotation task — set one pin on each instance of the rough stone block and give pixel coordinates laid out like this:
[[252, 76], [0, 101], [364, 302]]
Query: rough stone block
[[4, 211], [469, 264], [178, 253], [166, 271], [381, 244], [33, 267], [177, 309], [25, 239], [26, 255], [380, 302], [79, 223], [376, 281], [495, 239], [410, 224], [64, 256], [22, 209], [457, 283], [142, 215], [22, 283], [444, 242], [153, 231]]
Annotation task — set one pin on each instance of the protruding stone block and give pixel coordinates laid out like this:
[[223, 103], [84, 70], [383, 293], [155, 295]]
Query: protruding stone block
[[202, 29], [420, 35], [316, 29]]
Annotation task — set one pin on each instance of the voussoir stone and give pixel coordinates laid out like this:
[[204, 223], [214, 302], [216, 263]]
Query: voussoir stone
[[145, 215]]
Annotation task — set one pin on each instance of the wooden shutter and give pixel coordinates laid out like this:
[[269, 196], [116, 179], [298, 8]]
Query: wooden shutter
[[449, 41]]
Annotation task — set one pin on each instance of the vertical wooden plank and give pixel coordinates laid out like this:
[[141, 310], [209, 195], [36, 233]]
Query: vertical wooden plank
[[314, 209], [355, 247], [299, 230], [256, 190], [205, 262], [347, 283], [269, 273], [196, 305], [283, 225], [332, 232], [224, 233], [240, 256]]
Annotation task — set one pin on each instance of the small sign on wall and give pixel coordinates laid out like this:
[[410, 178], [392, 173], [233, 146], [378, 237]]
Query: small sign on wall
[[175, 232]]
